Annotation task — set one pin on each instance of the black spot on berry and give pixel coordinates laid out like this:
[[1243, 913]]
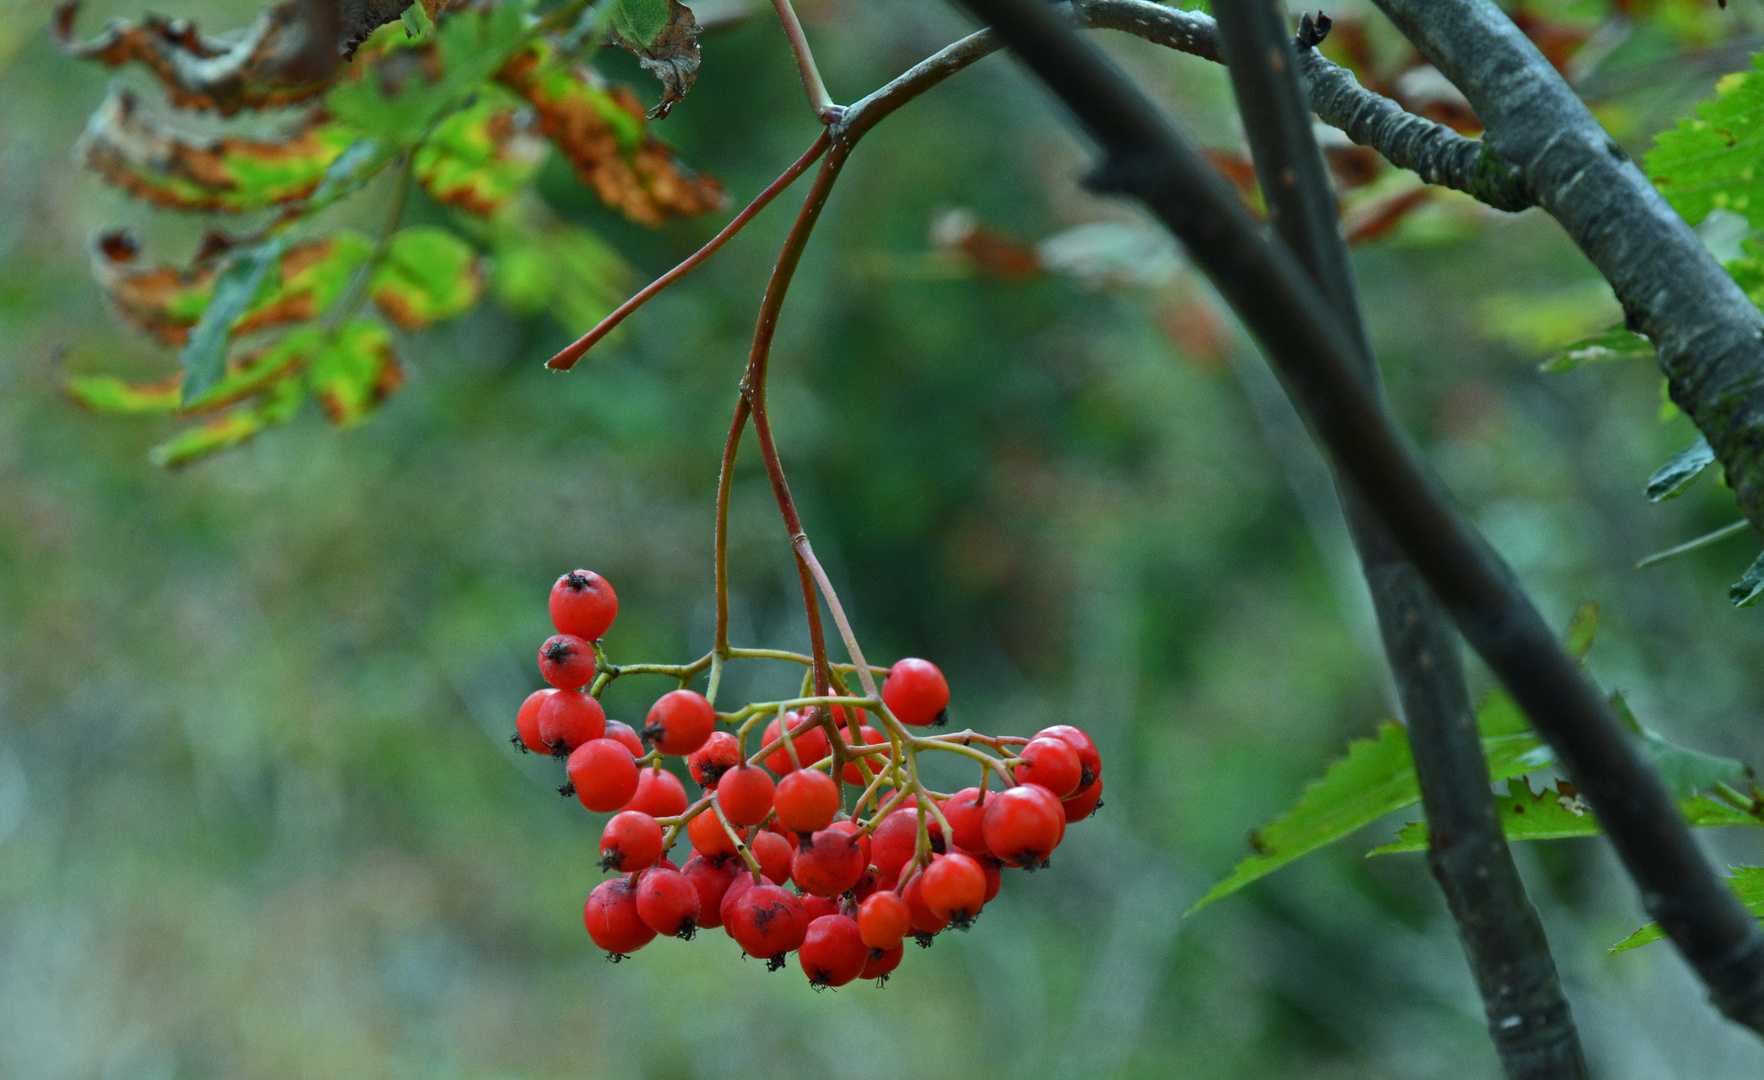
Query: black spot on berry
[[821, 980], [518, 743], [1085, 777], [1099, 805], [653, 732], [559, 651], [579, 580], [559, 750]]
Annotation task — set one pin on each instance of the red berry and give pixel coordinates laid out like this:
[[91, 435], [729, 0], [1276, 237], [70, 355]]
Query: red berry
[[566, 662], [817, 906], [680, 722], [613, 922], [527, 721], [720, 753], [1083, 804], [832, 953], [1088, 758], [808, 737], [632, 841], [708, 837], [626, 735], [868, 885], [881, 962], [604, 775], [712, 878], [1023, 825], [925, 921], [773, 853], [668, 903], [883, 920], [738, 885], [828, 863], [659, 794], [807, 800], [767, 922], [964, 810], [745, 794], [583, 604], [871, 737], [570, 718], [856, 832], [1051, 762], [954, 888], [895, 840], [991, 867], [915, 692]]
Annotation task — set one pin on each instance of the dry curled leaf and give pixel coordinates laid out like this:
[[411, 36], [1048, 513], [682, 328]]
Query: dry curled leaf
[[602, 132], [664, 36]]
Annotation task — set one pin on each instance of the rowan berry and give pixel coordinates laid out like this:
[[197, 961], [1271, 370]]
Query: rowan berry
[[828, 862], [767, 922], [856, 832], [883, 920], [1082, 805], [566, 662], [1088, 758], [954, 888], [1051, 762], [604, 775], [880, 962], [668, 903], [583, 604], [808, 737], [916, 693], [806, 800], [1023, 825], [708, 837], [964, 810], [738, 885], [680, 722], [626, 736], [527, 721], [895, 840], [853, 773], [659, 794], [745, 794], [773, 853], [832, 954], [630, 842], [612, 919], [720, 753], [570, 718], [817, 906], [991, 867], [924, 920], [712, 878]]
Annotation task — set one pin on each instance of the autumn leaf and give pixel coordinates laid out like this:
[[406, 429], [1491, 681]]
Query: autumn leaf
[[429, 274], [354, 371], [480, 157], [230, 429], [664, 35]]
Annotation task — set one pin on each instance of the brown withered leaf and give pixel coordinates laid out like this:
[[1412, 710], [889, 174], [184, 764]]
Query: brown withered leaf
[[670, 53], [361, 18], [1372, 220], [1558, 41], [602, 132], [289, 54], [989, 250]]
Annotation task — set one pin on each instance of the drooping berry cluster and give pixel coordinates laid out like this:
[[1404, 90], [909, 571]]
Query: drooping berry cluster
[[901, 861]]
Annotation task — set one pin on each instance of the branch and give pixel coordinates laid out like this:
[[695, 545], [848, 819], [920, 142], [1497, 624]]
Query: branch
[[1146, 157], [1709, 335], [1503, 939]]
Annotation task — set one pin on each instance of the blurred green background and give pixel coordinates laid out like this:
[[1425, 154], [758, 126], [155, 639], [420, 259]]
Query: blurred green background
[[258, 817]]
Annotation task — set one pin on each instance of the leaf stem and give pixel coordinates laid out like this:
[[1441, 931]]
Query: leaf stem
[[1689, 546]]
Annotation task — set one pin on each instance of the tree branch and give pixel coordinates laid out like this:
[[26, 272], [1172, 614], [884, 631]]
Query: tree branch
[[1146, 157], [1503, 939]]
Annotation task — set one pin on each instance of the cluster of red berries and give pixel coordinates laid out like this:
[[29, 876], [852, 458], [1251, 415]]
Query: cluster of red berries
[[917, 863]]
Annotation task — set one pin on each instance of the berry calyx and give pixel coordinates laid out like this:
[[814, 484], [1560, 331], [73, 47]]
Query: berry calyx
[[612, 920], [828, 862], [916, 692], [604, 775], [806, 801], [527, 721], [566, 662], [680, 722], [1052, 763], [668, 903], [954, 888], [880, 962], [659, 794], [720, 753], [583, 604], [569, 718], [832, 953], [632, 841], [884, 920], [1022, 825], [745, 794], [767, 921]]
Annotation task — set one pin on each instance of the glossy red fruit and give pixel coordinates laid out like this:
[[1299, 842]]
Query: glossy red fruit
[[881, 961], [630, 842], [667, 903], [915, 692], [991, 867], [1023, 825], [827, 863], [894, 841], [604, 775], [612, 919], [924, 920], [745, 794], [583, 604], [738, 885], [570, 718], [773, 853], [869, 884], [1088, 758], [832, 954], [680, 722], [954, 888], [708, 837], [856, 832], [884, 920], [809, 739], [964, 810], [1051, 762], [626, 736], [527, 721], [720, 753], [767, 921], [659, 794], [1083, 804], [566, 662], [853, 774], [712, 878], [817, 906], [806, 801]]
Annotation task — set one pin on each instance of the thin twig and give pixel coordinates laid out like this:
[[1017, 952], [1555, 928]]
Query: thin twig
[[1689, 546], [819, 100]]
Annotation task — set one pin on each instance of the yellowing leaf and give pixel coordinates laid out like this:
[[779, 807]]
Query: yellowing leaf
[[355, 371], [479, 158], [429, 274], [230, 429], [1716, 160], [106, 393]]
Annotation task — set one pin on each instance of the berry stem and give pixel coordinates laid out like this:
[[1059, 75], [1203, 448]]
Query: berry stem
[[740, 845]]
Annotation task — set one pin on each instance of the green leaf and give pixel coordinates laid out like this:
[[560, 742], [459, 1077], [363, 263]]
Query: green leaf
[[469, 46], [1747, 883], [1746, 591], [106, 393], [1671, 478], [230, 429], [203, 358], [429, 274], [479, 158], [1613, 343], [640, 22], [567, 270], [1555, 815], [1716, 160], [355, 371]]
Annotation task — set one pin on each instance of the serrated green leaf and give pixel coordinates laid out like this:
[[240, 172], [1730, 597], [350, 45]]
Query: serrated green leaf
[[203, 357], [1552, 815], [1716, 160], [354, 371], [429, 274], [1746, 591], [1613, 343], [106, 393], [1683, 467], [1747, 883]]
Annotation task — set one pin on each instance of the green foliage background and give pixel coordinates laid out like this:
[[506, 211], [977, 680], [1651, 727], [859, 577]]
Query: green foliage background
[[257, 816]]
